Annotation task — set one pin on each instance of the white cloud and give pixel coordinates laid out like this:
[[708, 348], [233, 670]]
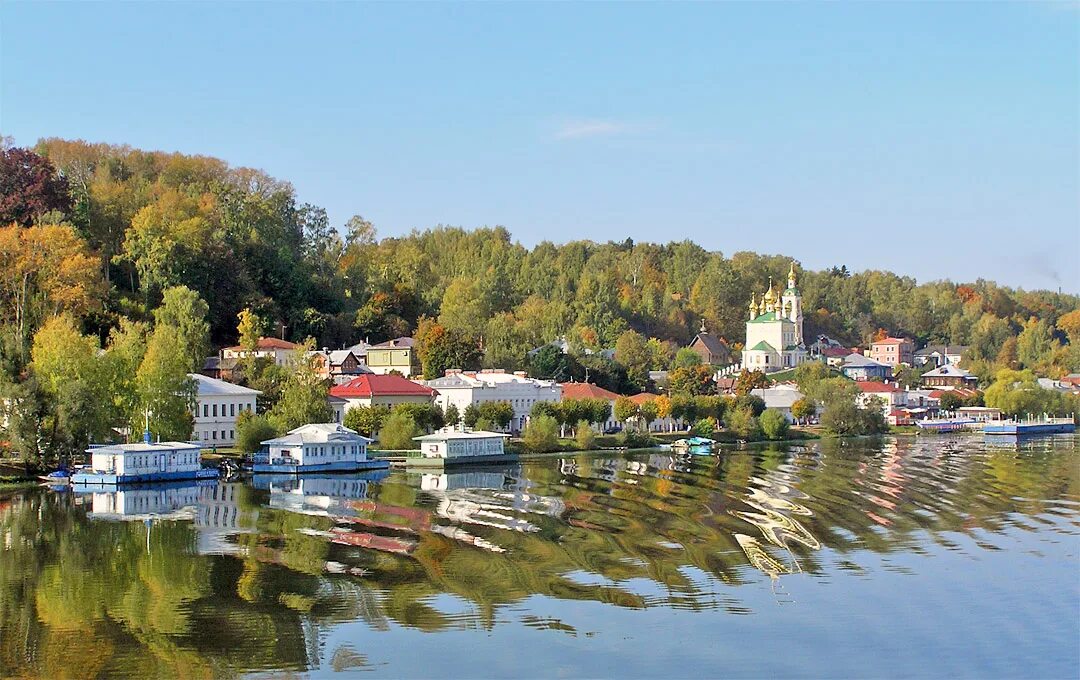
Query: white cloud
[[583, 129]]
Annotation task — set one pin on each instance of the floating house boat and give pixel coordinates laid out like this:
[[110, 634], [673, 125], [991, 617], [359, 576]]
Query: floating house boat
[[450, 446], [142, 462], [946, 424], [695, 445], [1019, 428], [316, 447]]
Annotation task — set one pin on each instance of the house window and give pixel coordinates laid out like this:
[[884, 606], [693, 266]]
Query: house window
[[232, 409], [232, 434], [215, 410], [213, 434], [205, 410]]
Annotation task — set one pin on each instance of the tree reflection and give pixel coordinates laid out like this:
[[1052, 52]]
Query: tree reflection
[[251, 581]]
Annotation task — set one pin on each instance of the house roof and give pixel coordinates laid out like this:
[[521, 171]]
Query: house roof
[[389, 385], [892, 341], [942, 349], [486, 378], [452, 433], [643, 397], [317, 433], [714, 344], [210, 387], [359, 349], [948, 371], [267, 344], [958, 391], [576, 390], [778, 397], [854, 360], [871, 387], [142, 447], [396, 343], [836, 352]]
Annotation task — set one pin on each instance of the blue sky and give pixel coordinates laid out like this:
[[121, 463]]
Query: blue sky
[[935, 140]]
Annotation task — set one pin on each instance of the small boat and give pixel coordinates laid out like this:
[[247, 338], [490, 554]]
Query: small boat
[[695, 445], [61, 477]]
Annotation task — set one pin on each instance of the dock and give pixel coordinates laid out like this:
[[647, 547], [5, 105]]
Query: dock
[[1030, 427]]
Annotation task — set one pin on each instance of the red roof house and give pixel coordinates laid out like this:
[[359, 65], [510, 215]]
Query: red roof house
[[386, 390], [576, 390]]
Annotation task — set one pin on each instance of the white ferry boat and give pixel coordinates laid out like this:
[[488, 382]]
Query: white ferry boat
[[316, 447]]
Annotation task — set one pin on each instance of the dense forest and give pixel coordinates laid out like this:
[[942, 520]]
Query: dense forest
[[108, 247], [241, 239]]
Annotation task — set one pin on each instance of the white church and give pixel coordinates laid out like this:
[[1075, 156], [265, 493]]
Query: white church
[[774, 332]]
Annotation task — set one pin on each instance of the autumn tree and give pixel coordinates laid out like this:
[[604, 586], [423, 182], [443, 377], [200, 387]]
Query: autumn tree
[[250, 328], [44, 270], [29, 187]]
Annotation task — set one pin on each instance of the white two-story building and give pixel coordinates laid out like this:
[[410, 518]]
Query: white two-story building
[[462, 389], [217, 405]]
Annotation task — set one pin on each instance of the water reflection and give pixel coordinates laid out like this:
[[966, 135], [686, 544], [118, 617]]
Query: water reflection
[[223, 578]]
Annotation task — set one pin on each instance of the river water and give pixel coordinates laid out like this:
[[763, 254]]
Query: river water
[[923, 557]]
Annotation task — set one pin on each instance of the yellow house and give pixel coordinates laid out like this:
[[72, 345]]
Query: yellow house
[[394, 355]]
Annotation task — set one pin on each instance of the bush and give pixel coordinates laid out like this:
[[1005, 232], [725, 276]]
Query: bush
[[252, 430], [632, 439], [773, 424], [843, 417], [541, 435], [704, 427], [585, 439], [397, 432], [743, 423]]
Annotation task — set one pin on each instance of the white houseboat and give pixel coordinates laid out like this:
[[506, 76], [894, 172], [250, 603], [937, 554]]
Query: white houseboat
[[458, 445], [142, 462], [316, 447]]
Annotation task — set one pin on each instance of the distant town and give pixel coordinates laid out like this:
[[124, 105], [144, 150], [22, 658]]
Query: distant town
[[126, 268]]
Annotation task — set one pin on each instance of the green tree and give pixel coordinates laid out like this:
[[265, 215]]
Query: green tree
[[470, 415], [541, 435], [625, 409], [252, 430], [584, 439], [742, 421], [705, 427], [165, 388], [184, 312], [499, 413], [304, 397], [452, 416], [633, 352], [398, 431], [440, 349], [70, 373], [773, 424], [1018, 393], [367, 420], [950, 402], [648, 411], [686, 358], [692, 380]]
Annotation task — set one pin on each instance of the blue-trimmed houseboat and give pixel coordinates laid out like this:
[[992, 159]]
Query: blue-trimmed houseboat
[[142, 462], [316, 447]]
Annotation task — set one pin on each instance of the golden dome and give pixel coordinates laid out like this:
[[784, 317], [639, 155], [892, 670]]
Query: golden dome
[[770, 295]]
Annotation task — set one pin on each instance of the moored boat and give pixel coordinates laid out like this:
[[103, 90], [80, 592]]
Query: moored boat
[[316, 447], [694, 445], [142, 462]]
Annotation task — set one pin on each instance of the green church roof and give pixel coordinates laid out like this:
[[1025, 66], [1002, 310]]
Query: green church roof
[[767, 316], [791, 291], [762, 347]]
